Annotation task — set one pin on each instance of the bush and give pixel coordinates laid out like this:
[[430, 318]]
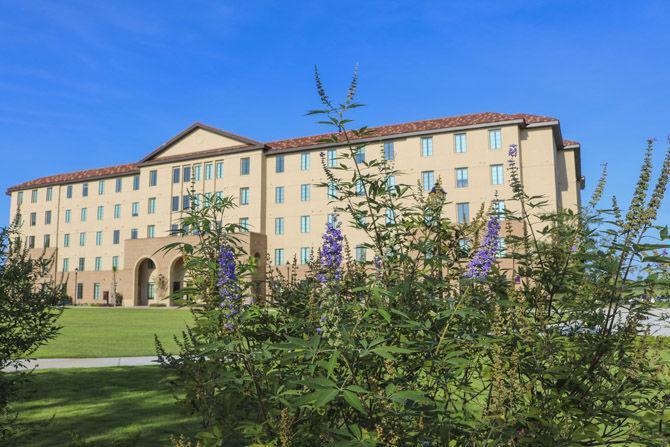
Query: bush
[[30, 303], [429, 341], [157, 305]]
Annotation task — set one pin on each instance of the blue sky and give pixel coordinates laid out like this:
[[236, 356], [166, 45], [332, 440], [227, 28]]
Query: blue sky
[[90, 84]]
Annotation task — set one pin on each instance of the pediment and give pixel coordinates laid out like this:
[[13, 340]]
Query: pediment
[[199, 138]]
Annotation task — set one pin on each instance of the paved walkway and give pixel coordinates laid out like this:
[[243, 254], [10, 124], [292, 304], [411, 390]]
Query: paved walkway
[[100, 362]]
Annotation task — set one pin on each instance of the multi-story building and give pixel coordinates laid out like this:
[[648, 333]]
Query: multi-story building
[[104, 227]]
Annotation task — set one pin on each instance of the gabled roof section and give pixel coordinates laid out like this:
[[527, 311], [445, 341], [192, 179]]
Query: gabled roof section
[[199, 138], [464, 121]]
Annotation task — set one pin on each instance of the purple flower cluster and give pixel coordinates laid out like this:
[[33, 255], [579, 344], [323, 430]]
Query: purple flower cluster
[[481, 263], [330, 253], [229, 289], [513, 150]]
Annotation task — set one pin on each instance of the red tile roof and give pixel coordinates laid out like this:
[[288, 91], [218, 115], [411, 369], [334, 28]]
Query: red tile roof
[[77, 176], [392, 129], [570, 143], [418, 126]]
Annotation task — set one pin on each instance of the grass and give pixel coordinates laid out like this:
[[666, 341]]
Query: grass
[[114, 332], [128, 406]]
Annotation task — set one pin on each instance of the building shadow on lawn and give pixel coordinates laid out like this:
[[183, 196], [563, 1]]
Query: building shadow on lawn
[[124, 406]]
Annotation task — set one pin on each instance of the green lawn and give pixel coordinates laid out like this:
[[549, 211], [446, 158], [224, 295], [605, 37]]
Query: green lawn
[[114, 332], [119, 407]]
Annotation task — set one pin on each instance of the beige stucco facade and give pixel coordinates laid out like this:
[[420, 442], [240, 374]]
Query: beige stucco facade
[[130, 211]]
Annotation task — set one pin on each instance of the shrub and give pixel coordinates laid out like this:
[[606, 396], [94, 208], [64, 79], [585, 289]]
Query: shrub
[[430, 341], [30, 304]]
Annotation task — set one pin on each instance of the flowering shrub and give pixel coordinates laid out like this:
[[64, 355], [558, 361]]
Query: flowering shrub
[[431, 342]]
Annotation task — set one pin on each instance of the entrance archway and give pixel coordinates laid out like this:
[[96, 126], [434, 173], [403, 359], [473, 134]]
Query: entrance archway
[[145, 284], [176, 277]]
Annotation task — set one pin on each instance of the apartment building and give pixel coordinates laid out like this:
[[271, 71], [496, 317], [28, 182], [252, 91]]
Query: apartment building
[[105, 227]]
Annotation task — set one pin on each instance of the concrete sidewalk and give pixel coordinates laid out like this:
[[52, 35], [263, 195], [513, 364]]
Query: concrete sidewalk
[[100, 362]]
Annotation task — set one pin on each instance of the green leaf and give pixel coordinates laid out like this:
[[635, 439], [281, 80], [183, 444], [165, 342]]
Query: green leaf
[[325, 396], [353, 400]]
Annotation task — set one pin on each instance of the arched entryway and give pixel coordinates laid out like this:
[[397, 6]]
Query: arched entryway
[[145, 283], [176, 277]]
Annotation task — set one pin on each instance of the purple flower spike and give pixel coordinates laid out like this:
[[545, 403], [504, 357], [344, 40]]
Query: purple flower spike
[[330, 253], [481, 263], [513, 150], [229, 289]]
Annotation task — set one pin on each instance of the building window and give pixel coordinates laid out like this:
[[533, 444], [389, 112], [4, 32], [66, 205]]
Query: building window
[[279, 256], [119, 185], [96, 291], [117, 211], [82, 239], [497, 174], [279, 225], [187, 174], [390, 216], [151, 290], [460, 143], [245, 166], [304, 224], [151, 205], [360, 187], [197, 172], [135, 209], [19, 198], [175, 175], [360, 155], [66, 264], [33, 196], [101, 212], [116, 237], [208, 171], [33, 219], [361, 253], [279, 163], [498, 208], [98, 238], [115, 262], [427, 180], [219, 169], [68, 216], [47, 240], [133, 233], [136, 182], [101, 187], [84, 190], [332, 190], [304, 192], [426, 146], [98, 263], [463, 211], [244, 223], [84, 213], [50, 193], [331, 158], [305, 254], [461, 177], [186, 202], [79, 294], [47, 218], [151, 231], [389, 151], [68, 191], [66, 240], [495, 139], [31, 241], [82, 264], [244, 196], [174, 229], [153, 177], [175, 203], [304, 161], [279, 194]]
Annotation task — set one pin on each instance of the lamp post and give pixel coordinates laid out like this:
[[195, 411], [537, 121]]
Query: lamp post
[[76, 286]]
